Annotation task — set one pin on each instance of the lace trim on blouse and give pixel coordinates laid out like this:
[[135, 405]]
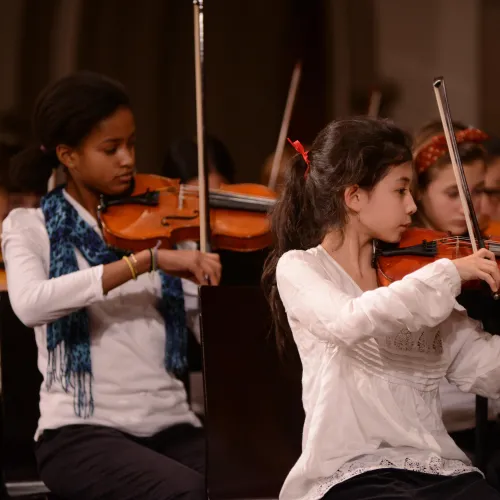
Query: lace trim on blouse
[[432, 465]]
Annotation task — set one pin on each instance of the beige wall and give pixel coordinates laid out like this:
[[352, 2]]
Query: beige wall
[[419, 40], [490, 67], [351, 55]]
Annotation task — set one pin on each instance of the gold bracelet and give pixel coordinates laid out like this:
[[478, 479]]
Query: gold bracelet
[[131, 267], [134, 263]]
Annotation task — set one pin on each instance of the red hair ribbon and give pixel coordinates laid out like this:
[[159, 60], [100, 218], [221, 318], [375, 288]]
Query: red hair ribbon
[[300, 149], [437, 147]]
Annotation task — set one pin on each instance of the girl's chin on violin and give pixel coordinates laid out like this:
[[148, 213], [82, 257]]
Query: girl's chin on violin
[[115, 186], [393, 236], [125, 179], [119, 185], [457, 227]]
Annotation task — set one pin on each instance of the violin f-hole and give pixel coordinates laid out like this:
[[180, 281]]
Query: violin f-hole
[[165, 220]]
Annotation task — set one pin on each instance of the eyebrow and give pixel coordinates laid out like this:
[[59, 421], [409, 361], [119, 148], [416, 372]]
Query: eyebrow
[[111, 139], [114, 139], [404, 179]]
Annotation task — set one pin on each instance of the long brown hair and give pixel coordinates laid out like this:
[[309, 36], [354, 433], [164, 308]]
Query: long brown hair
[[354, 151]]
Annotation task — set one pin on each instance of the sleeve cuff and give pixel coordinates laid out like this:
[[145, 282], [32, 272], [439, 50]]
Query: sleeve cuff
[[453, 276], [443, 271], [97, 281]]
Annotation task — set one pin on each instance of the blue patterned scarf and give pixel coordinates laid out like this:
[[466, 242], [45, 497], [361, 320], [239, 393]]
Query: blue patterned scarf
[[68, 338]]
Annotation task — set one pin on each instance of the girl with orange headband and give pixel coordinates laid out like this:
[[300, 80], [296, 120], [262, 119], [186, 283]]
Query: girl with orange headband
[[437, 199], [439, 208]]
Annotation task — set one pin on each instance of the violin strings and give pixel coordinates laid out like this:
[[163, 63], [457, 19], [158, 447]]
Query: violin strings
[[256, 201], [455, 241], [223, 194], [217, 194]]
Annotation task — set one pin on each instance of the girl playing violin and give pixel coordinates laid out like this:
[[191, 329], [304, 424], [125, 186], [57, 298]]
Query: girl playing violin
[[372, 357], [110, 329], [437, 199]]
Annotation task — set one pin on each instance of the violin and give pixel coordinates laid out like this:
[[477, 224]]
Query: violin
[[163, 209], [419, 247]]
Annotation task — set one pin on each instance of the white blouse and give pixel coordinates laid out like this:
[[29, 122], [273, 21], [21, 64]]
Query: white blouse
[[131, 388], [372, 363]]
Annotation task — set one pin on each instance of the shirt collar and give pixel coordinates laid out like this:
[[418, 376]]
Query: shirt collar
[[82, 212]]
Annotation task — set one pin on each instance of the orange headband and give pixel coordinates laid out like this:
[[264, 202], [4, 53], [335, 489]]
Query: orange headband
[[437, 147], [300, 149]]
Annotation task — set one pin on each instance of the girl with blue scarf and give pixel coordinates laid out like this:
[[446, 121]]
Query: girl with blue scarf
[[111, 329]]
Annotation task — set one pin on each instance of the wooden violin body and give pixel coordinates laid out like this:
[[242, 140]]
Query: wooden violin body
[[419, 247], [163, 209], [493, 229]]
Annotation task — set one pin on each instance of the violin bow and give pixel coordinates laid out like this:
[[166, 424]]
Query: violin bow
[[199, 60], [285, 123], [463, 189], [474, 233], [374, 104]]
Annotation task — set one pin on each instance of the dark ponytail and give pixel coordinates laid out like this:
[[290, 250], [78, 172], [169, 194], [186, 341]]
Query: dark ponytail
[[30, 170], [355, 151], [292, 214], [65, 112]]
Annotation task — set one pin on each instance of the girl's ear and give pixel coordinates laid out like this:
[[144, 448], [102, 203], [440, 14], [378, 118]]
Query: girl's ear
[[355, 198], [66, 156]]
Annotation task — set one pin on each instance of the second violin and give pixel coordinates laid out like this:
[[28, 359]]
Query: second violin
[[158, 208], [419, 247]]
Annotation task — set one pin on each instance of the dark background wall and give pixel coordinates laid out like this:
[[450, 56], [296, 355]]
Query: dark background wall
[[347, 47]]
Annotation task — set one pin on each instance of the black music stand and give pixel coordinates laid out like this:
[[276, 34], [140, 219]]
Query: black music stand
[[253, 403], [20, 395]]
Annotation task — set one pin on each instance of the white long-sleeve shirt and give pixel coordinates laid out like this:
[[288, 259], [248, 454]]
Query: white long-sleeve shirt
[[459, 408], [372, 363], [132, 390]]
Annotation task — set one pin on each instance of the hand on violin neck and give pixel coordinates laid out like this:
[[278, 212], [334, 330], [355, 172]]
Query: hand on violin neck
[[480, 265], [202, 268]]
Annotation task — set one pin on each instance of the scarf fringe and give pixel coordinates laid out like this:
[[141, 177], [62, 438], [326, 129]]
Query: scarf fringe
[[78, 382]]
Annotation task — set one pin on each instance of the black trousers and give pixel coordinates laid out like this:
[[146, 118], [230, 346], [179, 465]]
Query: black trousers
[[88, 462], [466, 440], [396, 484]]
